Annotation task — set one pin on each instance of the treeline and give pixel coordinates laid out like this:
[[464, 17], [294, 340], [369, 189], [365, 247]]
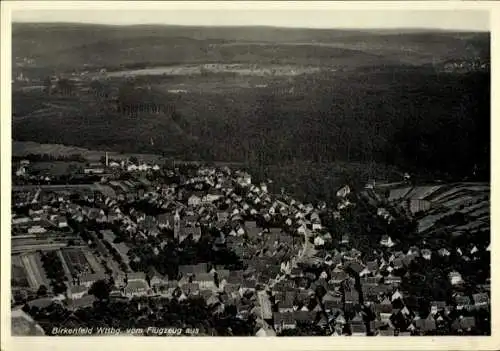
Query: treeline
[[55, 272], [49, 157]]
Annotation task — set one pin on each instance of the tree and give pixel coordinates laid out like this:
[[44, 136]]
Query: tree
[[100, 289], [42, 291]]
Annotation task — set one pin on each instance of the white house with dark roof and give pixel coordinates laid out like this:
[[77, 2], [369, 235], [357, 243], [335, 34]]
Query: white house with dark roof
[[386, 241], [455, 278]]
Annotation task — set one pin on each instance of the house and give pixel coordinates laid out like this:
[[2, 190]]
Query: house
[[157, 280], [396, 296], [136, 276], [383, 310], [190, 289], [165, 220], [386, 241], [371, 292], [393, 280], [358, 327], [135, 288], [319, 241], [187, 270], [333, 306], [397, 263], [455, 278], [208, 296], [480, 299], [386, 332], [205, 280], [61, 222], [345, 239], [222, 216], [286, 302], [425, 325], [343, 192], [426, 254], [444, 252], [212, 196], [284, 321], [355, 267], [87, 279], [338, 277], [194, 232], [194, 200], [169, 287], [248, 285], [351, 296], [401, 318], [437, 306], [462, 301], [463, 324], [316, 225], [303, 317]]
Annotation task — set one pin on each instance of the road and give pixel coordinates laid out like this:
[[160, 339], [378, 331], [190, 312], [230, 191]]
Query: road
[[306, 251]]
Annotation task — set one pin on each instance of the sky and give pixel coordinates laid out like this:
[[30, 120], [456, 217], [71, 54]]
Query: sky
[[475, 20]]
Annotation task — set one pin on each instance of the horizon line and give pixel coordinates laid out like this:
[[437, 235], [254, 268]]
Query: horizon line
[[360, 29]]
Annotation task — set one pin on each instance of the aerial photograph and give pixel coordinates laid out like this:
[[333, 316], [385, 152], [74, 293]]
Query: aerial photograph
[[250, 173]]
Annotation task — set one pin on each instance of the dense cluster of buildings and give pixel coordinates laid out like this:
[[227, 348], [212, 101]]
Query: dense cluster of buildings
[[291, 279]]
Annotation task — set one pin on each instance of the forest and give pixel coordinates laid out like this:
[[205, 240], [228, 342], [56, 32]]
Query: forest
[[416, 120]]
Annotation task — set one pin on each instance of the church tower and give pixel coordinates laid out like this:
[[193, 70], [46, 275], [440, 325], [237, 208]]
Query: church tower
[[177, 225]]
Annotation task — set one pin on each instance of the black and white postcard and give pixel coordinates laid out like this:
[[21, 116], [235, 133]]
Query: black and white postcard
[[271, 170]]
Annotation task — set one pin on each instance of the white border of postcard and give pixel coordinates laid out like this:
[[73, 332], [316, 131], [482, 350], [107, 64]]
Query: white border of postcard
[[9, 343]]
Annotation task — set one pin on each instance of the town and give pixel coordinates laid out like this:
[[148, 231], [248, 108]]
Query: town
[[165, 246]]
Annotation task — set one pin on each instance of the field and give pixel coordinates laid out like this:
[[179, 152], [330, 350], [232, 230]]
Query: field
[[32, 264], [471, 200], [19, 274]]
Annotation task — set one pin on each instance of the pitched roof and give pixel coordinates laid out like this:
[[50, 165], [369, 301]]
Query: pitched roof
[[428, 324], [481, 298], [285, 317], [464, 323], [383, 308], [462, 300], [203, 277], [355, 266], [304, 316], [193, 269]]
